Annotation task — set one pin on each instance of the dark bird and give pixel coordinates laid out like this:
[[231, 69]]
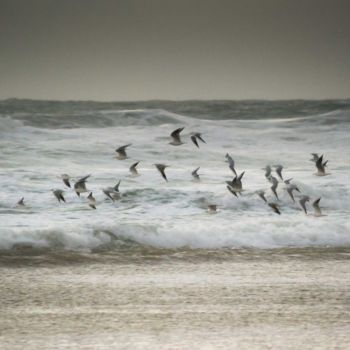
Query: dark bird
[[303, 201], [236, 184], [274, 186], [274, 207], [320, 165], [231, 190], [279, 169], [290, 188], [175, 135], [195, 174], [267, 171], [261, 194], [287, 182], [20, 203], [195, 136], [121, 153], [59, 195], [314, 157], [161, 169]]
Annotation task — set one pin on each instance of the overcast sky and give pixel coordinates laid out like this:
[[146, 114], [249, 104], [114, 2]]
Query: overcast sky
[[174, 49]]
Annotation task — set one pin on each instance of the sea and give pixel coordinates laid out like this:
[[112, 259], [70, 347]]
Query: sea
[[154, 269]]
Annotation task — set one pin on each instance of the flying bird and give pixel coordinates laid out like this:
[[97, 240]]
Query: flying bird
[[112, 192], [236, 183], [133, 170], [195, 174], [317, 208], [274, 186], [175, 135], [195, 136], [290, 188], [231, 163], [121, 152], [314, 157], [80, 185], [279, 169], [303, 201], [231, 190], [91, 201], [65, 178], [161, 169], [267, 171], [59, 195], [287, 182], [274, 207], [320, 165], [20, 203], [261, 194]]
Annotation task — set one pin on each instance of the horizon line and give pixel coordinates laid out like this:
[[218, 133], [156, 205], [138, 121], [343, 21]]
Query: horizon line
[[173, 100]]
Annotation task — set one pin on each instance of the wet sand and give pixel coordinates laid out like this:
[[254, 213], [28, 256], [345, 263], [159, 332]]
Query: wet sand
[[294, 300]]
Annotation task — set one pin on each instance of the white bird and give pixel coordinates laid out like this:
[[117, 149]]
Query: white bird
[[195, 136]]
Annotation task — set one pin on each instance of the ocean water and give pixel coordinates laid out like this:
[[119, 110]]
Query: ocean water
[[39, 141], [154, 269]]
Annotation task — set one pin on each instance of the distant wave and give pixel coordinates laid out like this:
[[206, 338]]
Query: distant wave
[[55, 114]]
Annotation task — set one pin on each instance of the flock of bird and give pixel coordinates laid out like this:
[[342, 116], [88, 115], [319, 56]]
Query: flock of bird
[[235, 186]]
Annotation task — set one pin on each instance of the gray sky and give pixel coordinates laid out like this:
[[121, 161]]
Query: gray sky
[[174, 49]]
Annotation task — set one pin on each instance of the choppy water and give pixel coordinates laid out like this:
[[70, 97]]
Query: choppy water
[[154, 269], [41, 140]]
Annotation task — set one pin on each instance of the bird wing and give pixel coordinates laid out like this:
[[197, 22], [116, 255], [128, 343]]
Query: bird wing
[[194, 140], [176, 134], [316, 206], [319, 164], [200, 137]]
